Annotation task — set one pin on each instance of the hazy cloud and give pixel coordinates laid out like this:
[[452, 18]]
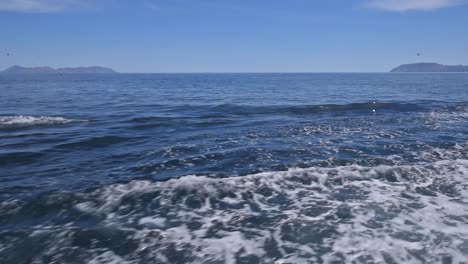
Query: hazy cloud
[[42, 6], [47, 6], [409, 5]]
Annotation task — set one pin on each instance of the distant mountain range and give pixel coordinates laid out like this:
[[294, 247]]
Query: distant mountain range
[[48, 70], [429, 67]]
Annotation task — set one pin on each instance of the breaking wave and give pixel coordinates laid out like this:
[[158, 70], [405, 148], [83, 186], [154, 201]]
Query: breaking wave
[[20, 121]]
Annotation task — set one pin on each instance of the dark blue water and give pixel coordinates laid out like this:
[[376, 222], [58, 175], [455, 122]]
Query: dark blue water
[[234, 168]]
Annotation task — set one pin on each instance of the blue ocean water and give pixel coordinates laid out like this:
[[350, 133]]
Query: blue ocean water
[[234, 168]]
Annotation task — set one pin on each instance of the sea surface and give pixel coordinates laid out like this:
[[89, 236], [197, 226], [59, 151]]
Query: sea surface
[[234, 168]]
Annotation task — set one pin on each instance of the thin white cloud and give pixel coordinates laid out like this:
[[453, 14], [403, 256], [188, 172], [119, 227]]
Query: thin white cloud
[[412, 5], [41, 6]]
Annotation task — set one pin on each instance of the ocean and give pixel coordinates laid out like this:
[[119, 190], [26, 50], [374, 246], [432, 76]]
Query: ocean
[[234, 168]]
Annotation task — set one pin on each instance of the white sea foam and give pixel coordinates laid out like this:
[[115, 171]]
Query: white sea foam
[[401, 213], [107, 257], [301, 214], [27, 121], [442, 118]]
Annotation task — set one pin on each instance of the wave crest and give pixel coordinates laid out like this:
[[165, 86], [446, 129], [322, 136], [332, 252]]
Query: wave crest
[[20, 121]]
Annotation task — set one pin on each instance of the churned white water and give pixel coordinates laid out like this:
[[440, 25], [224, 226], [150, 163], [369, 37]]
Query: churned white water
[[383, 214], [25, 121]]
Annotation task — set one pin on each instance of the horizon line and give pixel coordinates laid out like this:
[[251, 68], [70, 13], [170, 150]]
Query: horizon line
[[273, 72]]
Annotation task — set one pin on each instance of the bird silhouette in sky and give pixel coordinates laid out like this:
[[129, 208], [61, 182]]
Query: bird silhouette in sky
[[418, 54]]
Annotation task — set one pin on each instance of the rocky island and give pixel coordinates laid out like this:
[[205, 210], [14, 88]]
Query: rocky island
[[430, 67], [48, 70]]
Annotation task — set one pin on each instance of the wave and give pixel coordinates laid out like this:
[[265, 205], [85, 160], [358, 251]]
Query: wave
[[96, 142], [227, 114], [436, 112], [412, 213], [21, 121], [233, 110], [311, 109]]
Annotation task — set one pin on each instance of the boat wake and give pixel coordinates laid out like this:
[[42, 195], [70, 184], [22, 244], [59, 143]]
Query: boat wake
[[412, 213]]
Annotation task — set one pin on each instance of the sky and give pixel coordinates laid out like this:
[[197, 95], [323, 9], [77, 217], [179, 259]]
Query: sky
[[151, 36]]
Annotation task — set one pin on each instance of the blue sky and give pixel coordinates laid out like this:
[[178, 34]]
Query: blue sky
[[233, 35]]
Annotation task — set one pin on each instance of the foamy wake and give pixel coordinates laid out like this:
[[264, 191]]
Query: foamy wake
[[27, 121], [414, 213]]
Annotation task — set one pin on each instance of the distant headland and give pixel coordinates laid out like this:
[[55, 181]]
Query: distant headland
[[430, 67], [48, 70]]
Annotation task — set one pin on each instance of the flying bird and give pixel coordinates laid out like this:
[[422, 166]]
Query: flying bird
[[418, 54]]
